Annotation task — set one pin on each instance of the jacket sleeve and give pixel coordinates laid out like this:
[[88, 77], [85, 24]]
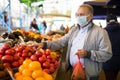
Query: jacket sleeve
[[61, 42], [102, 50]]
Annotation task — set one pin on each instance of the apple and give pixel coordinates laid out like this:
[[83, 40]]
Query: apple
[[7, 58], [34, 58], [15, 64]]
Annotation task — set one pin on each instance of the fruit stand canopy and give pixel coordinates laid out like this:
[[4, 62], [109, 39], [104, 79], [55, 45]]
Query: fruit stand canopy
[[28, 2]]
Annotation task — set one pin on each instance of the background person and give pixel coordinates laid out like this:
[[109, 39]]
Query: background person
[[88, 40], [33, 25], [112, 67]]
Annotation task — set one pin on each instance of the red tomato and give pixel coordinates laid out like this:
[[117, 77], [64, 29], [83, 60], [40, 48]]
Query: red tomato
[[38, 53], [7, 58], [34, 58], [46, 65], [2, 51], [16, 57], [7, 64], [52, 70], [10, 52], [42, 59], [6, 46], [15, 64]]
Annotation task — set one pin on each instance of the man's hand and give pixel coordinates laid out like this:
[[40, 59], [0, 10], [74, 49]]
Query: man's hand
[[35, 44], [81, 53]]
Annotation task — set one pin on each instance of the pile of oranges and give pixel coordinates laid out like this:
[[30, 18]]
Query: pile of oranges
[[31, 70]]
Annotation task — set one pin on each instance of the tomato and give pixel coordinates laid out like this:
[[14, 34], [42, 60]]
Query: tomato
[[7, 58], [46, 70], [34, 58], [24, 54], [38, 53], [52, 70], [0, 56], [10, 52], [6, 46], [46, 65], [42, 59], [18, 49], [47, 52], [16, 57], [2, 51], [15, 64], [6, 64]]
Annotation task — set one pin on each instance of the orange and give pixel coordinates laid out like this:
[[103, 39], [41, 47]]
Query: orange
[[37, 73], [17, 74], [20, 77], [48, 76], [27, 78], [21, 68], [26, 72], [35, 65], [40, 78], [27, 62]]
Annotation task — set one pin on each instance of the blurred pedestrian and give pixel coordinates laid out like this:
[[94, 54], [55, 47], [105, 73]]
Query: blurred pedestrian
[[112, 67], [33, 25]]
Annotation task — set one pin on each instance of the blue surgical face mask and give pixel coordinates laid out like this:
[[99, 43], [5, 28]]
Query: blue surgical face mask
[[82, 20]]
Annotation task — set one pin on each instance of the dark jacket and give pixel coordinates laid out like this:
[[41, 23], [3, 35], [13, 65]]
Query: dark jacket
[[113, 30]]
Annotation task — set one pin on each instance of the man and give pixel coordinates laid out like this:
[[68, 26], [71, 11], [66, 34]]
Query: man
[[87, 40], [112, 66]]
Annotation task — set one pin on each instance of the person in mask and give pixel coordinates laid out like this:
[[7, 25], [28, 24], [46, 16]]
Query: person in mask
[[87, 40]]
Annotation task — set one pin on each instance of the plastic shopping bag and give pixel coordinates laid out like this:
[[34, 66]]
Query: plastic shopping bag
[[78, 71]]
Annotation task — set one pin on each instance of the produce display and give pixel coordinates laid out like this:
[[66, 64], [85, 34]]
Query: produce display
[[18, 52]]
